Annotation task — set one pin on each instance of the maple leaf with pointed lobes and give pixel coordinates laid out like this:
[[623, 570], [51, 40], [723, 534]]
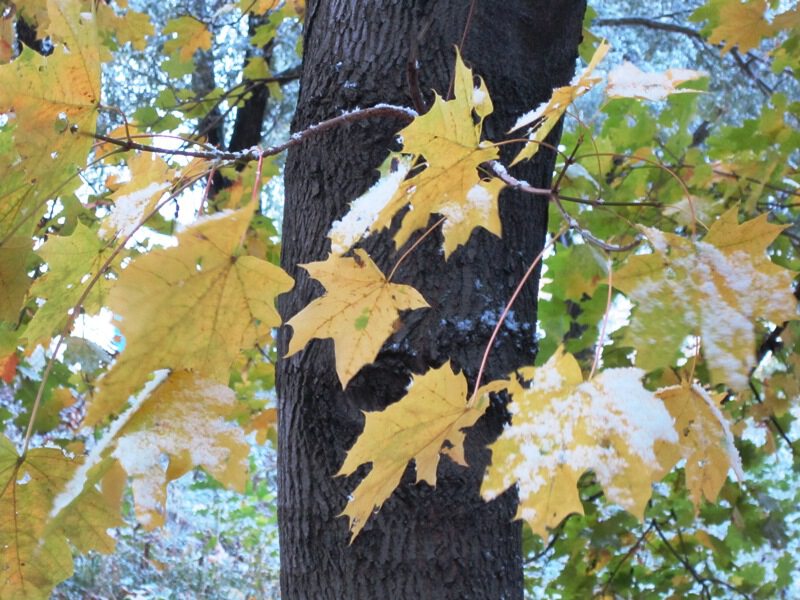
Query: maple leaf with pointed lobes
[[740, 24], [450, 142], [428, 421], [187, 419], [547, 114], [562, 426], [705, 440], [194, 306], [34, 551], [358, 311], [715, 288]]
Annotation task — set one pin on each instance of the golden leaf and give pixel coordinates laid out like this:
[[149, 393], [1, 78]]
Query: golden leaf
[[545, 116], [450, 142], [563, 426], [60, 91], [194, 306], [34, 553], [433, 413], [358, 311], [186, 419], [704, 439], [741, 24], [191, 35]]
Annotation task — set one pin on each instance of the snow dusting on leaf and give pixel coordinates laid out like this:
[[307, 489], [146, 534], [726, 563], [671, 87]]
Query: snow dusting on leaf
[[563, 426], [185, 420], [628, 81], [715, 288]]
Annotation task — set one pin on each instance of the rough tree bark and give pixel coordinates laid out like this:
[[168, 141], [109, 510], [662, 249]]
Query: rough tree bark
[[424, 543]]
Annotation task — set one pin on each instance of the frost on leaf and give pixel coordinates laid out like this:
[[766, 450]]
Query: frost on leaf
[[715, 288], [359, 311], [134, 200], [545, 116], [628, 81], [186, 420], [194, 306], [433, 413], [563, 426], [704, 439], [447, 140], [35, 553]]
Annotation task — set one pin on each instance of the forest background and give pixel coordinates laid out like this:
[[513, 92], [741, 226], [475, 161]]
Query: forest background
[[673, 248]]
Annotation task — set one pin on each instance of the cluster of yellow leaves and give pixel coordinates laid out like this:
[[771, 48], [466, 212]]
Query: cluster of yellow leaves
[[447, 142]]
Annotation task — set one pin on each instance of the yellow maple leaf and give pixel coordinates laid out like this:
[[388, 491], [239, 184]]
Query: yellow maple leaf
[[191, 35], [358, 311], [58, 91], [194, 306], [715, 288], [741, 24], [264, 423], [433, 413], [704, 439], [449, 139], [186, 419], [563, 426], [34, 552], [546, 115]]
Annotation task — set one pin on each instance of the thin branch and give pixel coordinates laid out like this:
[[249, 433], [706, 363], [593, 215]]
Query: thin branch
[[683, 560], [631, 551], [380, 110], [650, 24]]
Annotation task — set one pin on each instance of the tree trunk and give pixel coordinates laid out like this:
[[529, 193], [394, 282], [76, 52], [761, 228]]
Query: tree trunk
[[424, 543]]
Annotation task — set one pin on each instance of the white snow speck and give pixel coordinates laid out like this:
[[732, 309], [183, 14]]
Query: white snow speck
[[364, 210], [628, 81]]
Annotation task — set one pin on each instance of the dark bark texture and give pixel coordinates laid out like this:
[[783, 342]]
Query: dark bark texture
[[424, 543]]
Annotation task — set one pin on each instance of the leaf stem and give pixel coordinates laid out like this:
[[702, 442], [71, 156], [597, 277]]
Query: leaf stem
[[474, 398], [413, 247], [599, 350], [76, 308]]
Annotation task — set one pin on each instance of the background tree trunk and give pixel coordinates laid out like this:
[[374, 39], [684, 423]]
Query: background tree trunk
[[424, 543]]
